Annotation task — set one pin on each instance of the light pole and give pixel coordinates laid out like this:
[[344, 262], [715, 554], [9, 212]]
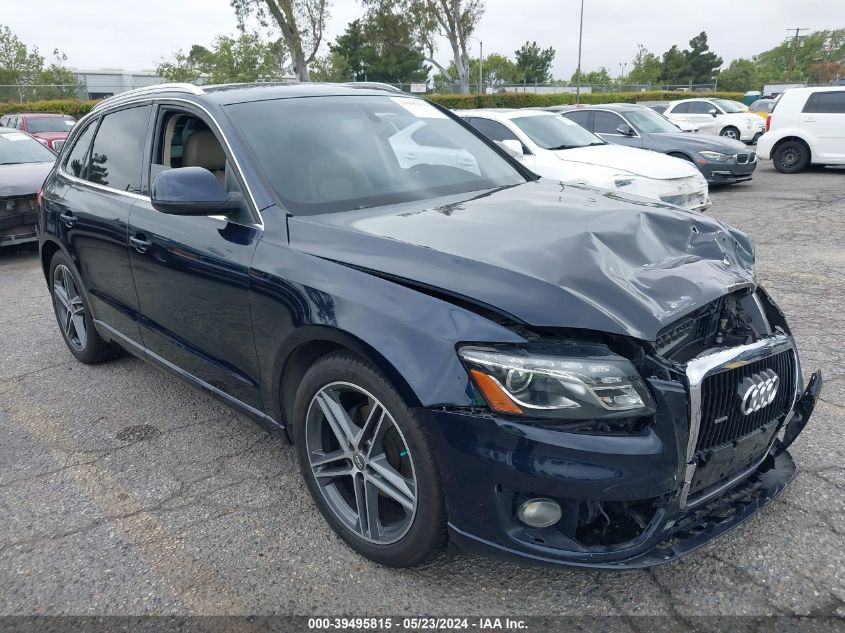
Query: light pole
[[578, 70]]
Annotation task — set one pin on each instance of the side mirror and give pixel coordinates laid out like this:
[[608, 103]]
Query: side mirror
[[190, 191], [713, 112], [512, 147], [624, 129]]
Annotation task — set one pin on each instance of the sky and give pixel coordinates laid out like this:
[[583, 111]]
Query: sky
[[135, 36]]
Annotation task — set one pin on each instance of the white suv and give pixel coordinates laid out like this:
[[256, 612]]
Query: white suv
[[718, 116], [806, 126]]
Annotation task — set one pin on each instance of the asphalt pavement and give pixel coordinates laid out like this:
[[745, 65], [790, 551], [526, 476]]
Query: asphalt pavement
[[123, 491]]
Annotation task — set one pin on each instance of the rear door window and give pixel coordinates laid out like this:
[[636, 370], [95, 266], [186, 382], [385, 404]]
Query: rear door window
[[118, 151], [581, 117], [826, 103], [76, 164], [493, 130]]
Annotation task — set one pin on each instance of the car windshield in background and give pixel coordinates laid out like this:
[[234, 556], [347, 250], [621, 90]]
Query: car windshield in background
[[329, 154], [35, 125], [555, 132], [17, 147], [731, 107], [649, 121]]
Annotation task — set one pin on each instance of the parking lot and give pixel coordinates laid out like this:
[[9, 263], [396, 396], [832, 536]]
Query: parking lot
[[123, 491]]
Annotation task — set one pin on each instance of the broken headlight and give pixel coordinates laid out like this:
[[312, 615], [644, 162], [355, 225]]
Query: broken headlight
[[576, 382]]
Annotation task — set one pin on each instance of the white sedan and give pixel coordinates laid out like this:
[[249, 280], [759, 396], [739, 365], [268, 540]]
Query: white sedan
[[721, 117], [555, 147]]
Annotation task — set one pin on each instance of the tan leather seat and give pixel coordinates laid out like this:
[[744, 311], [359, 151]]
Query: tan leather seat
[[203, 150]]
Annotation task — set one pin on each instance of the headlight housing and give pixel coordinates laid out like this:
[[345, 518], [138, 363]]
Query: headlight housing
[[572, 381], [717, 156]]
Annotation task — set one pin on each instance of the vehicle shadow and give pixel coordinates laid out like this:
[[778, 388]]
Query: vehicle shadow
[[18, 252]]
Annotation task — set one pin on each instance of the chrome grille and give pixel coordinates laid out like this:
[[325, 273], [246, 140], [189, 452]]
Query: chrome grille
[[57, 145], [722, 420]]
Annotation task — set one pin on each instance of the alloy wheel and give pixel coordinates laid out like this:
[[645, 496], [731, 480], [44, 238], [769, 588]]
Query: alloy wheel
[[69, 307], [361, 463]]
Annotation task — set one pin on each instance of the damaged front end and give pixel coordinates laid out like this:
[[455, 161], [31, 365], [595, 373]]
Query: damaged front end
[[728, 401]]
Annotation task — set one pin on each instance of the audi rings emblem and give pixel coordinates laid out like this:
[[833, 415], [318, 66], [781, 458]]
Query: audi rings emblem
[[757, 391]]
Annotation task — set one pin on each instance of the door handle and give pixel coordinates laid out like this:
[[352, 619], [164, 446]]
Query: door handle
[[67, 218], [141, 245]]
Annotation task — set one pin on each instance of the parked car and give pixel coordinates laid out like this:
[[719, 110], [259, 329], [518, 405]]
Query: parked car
[[683, 126], [24, 164], [558, 148], [47, 128], [717, 116], [806, 127], [762, 107], [556, 373], [720, 160]]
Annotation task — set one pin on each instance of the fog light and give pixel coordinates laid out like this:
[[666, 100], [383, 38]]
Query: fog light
[[539, 513]]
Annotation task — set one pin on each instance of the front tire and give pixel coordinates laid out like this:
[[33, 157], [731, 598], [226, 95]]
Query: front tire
[[367, 463], [730, 132], [73, 315], [791, 157]]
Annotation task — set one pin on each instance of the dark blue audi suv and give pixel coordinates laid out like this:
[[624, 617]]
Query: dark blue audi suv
[[459, 350]]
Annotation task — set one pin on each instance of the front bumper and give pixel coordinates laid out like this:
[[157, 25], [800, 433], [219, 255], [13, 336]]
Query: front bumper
[[485, 461], [18, 228], [728, 172]]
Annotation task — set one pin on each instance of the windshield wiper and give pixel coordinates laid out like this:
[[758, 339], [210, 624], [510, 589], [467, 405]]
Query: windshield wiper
[[552, 149], [595, 143]]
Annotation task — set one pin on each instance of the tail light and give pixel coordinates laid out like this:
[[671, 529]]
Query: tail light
[[768, 121]]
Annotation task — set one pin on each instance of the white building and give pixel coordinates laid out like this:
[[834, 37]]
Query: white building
[[105, 82]]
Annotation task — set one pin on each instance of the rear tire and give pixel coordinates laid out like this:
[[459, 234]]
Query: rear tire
[[730, 132], [73, 314], [790, 157], [368, 463]]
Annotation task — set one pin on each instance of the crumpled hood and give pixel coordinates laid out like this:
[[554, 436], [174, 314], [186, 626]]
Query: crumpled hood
[[22, 179], [546, 254], [630, 160]]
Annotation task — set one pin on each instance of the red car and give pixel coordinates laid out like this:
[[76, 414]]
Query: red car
[[47, 128]]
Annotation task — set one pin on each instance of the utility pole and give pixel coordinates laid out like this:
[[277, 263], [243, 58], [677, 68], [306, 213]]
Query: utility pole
[[792, 51], [578, 70]]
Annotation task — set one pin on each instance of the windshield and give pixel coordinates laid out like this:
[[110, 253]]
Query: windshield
[[17, 147], [731, 107], [328, 154], [647, 120], [34, 125], [556, 132]]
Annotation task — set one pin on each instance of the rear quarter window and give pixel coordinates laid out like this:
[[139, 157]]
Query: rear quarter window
[[826, 103]]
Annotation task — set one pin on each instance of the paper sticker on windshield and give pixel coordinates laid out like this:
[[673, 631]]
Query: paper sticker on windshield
[[419, 108], [15, 136], [69, 123]]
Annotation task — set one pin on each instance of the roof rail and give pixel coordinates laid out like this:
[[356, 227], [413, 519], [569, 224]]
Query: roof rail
[[131, 94], [373, 84]]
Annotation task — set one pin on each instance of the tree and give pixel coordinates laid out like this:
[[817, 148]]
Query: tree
[[497, 70], [429, 20], [23, 71], [825, 72], [817, 47], [646, 67], [332, 67], [703, 64], [674, 69], [245, 58], [600, 77], [301, 22], [739, 76], [535, 63]]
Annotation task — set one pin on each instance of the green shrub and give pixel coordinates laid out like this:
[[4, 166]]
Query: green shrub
[[71, 107], [529, 99]]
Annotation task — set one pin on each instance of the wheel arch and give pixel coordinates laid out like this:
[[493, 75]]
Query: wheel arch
[[792, 137], [48, 249], [311, 343]]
